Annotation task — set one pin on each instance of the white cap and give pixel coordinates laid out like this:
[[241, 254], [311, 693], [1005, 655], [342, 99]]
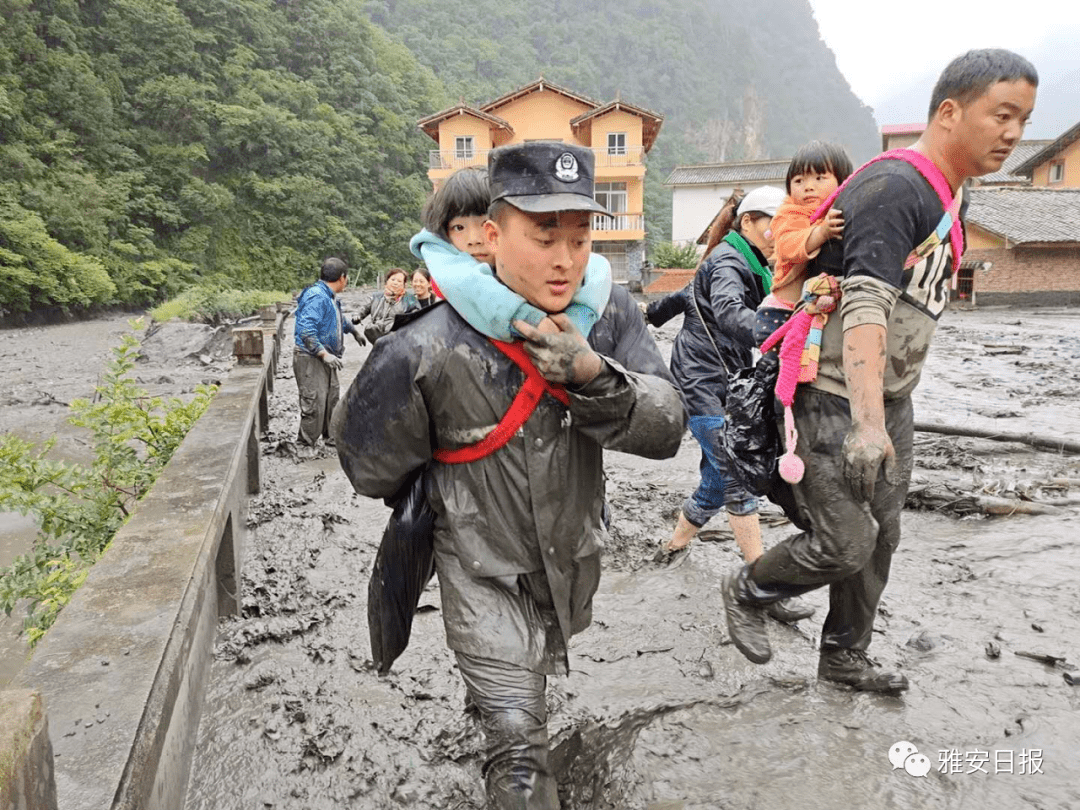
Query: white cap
[[765, 199]]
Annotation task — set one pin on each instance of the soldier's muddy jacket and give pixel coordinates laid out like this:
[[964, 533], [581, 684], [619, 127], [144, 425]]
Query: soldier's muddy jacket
[[535, 504]]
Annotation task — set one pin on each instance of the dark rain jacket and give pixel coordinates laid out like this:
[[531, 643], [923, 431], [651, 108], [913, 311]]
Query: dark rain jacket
[[535, 505], [728, 293]]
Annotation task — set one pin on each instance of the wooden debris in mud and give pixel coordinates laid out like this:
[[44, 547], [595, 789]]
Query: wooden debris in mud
[[1055, 443], [943, 497]]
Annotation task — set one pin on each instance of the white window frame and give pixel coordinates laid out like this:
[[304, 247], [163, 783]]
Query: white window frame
[[615, 198], [610, 193], [1057, 171], [464, 147], [616, 143]]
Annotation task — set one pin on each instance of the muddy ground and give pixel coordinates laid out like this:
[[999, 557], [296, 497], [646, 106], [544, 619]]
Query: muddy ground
[[660, 711]]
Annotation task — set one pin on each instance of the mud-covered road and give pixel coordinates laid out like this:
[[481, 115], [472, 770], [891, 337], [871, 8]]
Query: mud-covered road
[[660, 711]]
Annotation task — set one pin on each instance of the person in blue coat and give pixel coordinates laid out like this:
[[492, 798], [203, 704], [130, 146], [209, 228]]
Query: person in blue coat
[[319, 340]]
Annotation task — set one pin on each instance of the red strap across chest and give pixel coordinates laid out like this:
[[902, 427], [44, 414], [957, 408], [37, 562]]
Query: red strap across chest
[[518, 413]]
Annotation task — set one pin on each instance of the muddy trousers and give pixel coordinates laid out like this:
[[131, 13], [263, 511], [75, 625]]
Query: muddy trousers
[[319, 392], [851, 543], [512, 704]]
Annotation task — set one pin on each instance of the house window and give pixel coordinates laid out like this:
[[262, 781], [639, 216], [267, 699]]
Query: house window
[[614, 252], [1057, 171], [616, 143], [613, 197], [463, 148]]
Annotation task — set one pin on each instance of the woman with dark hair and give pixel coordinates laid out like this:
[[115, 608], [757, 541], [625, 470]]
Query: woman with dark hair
[[422, 295], [384, 306], [716, 339]]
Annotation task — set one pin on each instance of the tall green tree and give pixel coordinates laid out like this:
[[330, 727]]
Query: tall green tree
[[145, 144]]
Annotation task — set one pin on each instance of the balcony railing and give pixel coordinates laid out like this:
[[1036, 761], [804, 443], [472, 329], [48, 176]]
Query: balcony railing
[[620, 222], [451, 159]]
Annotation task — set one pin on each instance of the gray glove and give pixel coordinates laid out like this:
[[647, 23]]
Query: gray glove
[[360, 339], [334, 362]]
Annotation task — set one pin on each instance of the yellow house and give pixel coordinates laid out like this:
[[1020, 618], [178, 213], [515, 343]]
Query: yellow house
[[1057, 165], [618, 133]]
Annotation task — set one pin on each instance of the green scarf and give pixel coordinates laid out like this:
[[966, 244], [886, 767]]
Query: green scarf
[[740, 244]]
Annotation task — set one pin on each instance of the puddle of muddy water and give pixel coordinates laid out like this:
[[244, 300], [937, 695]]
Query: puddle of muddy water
[[659, 711]]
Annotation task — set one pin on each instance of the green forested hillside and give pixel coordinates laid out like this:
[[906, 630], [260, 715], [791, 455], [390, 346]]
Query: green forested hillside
[[147, 144]]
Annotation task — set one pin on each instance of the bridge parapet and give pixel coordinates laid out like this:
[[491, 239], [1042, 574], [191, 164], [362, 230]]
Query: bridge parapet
[[123, 671]]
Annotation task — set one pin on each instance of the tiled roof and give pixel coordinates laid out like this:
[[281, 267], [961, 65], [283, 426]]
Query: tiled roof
[[650, 121], [1050, 150], [716, 174], [540, 84], [430, 125], [1026, 215], [669, 281], [1023, 152]]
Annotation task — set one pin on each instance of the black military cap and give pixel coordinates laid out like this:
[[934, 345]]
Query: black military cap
[[544, 176]]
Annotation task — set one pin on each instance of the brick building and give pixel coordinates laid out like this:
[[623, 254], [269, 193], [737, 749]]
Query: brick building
[[1023, 228], [1023, 246]]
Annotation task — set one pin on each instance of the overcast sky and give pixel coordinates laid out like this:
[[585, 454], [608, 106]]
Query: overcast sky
[[891, 54]]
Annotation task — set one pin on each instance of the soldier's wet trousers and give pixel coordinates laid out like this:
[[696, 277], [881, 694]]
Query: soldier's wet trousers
[[851, 543], [319, 392], [512, 705]]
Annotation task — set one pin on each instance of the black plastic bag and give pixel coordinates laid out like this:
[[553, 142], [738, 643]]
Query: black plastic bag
[[751, 436], [403, 567], [750, 439]]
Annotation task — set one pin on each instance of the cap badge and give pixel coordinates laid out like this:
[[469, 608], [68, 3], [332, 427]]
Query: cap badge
[[566, 168]]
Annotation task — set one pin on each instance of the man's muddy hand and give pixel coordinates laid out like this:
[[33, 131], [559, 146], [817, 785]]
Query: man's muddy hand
[[864, 452], [563, 358]]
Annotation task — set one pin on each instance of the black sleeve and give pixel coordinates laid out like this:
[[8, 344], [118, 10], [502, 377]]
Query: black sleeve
[[660, 312], [633, 347], [727, 294]]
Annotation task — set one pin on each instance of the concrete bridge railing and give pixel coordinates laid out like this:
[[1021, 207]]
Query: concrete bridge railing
[[117, 684]]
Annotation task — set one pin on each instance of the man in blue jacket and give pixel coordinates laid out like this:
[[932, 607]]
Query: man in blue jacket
[[320, 342]]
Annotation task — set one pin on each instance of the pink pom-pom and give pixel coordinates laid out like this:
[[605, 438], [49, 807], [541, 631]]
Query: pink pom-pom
[[791, 467]]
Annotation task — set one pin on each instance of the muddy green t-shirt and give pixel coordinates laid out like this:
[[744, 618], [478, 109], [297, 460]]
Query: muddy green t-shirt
[[889, 209]]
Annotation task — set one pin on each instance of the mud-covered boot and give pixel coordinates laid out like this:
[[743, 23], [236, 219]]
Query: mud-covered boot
[[745, 622], [858, 670], [790, 610]]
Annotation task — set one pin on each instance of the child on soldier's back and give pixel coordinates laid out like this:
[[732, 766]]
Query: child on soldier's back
[[816, 170], [454, 247]]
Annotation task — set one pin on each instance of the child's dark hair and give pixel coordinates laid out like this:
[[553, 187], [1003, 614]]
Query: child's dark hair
[[818, 157], [465, 193]]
